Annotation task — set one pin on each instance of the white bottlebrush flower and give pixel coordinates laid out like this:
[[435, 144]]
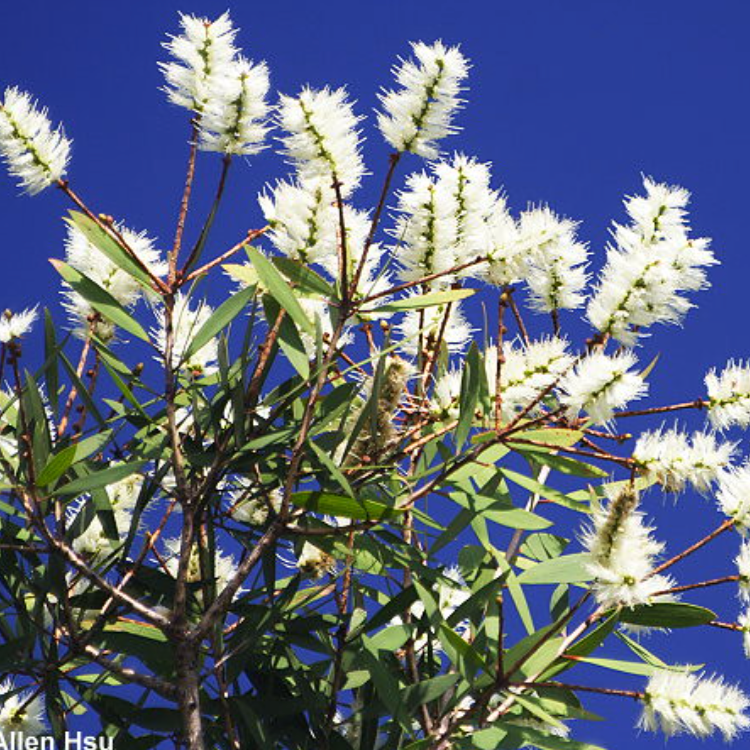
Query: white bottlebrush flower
[[450, 592], [467, 182], [320, 313], [90, 261], [304, 222], [444, 399], [744, 622], [421, 112], [661, 212], [201, 75], [306, 226], [225, 566], [238, 124], [14, 325], [425, 230], [674, 459], [555, 271], [321, 138], [314, 562], [600, 384], [506, 255], [445, 220], [650, 266], [423, 327], [526, 372], [729, 395], [248, 504], [680, 702], [623, 554], [733, 496], [94, 540], [20, 715], [186, 322], [34, 153], [742, 561]]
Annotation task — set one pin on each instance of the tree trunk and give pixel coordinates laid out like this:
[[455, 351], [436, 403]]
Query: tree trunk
[[188, 695]]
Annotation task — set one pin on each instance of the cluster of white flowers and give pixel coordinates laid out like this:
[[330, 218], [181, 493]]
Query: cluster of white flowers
[[14, 325], [623, 553], [420, 114], [450, 592], [675, 459], [506, 257], [444, 219], [314, 562], [678, 702], [528, 371], [555, 260], [33, 152], [652, 263], [225, 566], [321, 138], [249, 505], [84, 256], [227, 91], [425, 327], [186, 322], [204, 55], [744, 622], [238, 124], [94, 540], [729, 396], [742, 561], [306, 226], [733, 496], [19, 713], [600, 384]]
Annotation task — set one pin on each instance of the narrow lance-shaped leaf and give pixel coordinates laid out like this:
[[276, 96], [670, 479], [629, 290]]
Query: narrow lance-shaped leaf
[[101, 478], [100, 299], [109, 247], [221, 317], [279, 289], [421, 301]]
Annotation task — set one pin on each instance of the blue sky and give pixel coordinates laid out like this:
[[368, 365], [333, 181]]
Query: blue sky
[[571, 101]]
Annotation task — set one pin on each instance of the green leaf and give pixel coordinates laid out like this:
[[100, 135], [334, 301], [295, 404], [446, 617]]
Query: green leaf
[[427, 691], [542, 741], [221, 317], [52, 374], [518, 518], [60, 462], [341, 505], [279, 289], [102, 478], [667, 615], [563, 464], [109, 247], [304, 277], [469, 395], [390, 639], [386, 685], [565, 569], [419, 302], [543, 490], [482, 739], [100, 299], [617, 665], [289, 338]]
